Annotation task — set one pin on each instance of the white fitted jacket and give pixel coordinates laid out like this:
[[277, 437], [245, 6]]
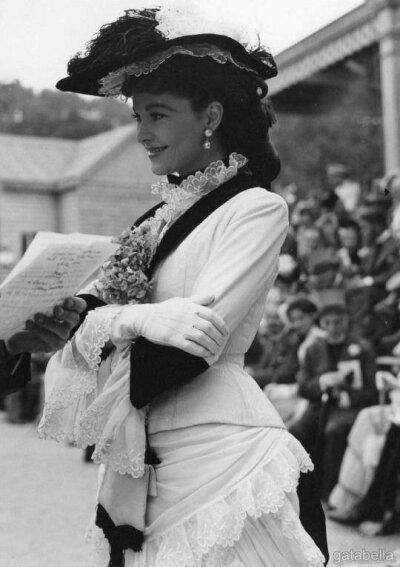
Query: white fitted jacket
[[232, 255]]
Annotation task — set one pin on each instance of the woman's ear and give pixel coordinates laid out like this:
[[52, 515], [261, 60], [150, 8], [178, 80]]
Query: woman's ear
[[213, 114]]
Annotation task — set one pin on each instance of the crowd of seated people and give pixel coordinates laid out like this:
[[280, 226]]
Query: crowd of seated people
[[332, 315]]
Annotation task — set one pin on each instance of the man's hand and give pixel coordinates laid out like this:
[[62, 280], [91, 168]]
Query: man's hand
[[330, 380], [47, 334]]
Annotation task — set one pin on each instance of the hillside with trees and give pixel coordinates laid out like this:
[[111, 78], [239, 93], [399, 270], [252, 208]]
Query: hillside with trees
[[337, 120], [54, 114]]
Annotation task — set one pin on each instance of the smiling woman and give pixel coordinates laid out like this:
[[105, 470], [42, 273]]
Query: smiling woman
[[197, 468], [220, 99], [173, 133]]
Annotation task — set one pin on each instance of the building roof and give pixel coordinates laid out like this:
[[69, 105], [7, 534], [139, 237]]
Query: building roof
[[55, 164], [329, 45]]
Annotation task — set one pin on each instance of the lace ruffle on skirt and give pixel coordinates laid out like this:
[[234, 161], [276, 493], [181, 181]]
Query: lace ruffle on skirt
[[254, 524], [87, 401]]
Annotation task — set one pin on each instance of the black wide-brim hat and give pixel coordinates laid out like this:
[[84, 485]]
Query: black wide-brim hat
[[86, 80]]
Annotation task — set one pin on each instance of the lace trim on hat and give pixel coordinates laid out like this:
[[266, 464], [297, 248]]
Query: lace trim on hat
[[112, 83], [209, 535]]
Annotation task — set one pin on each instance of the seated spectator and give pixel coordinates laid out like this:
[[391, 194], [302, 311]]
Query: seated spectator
[[278, 363], [266, 341], [309, 242], [344, 187], [327, 224], [306, 234], [386, 319], [350, 244], [329, 200], [323, 272], [370, 472], [286, 285], [380, 254], [336, 376], [303, 215], [301, 314]]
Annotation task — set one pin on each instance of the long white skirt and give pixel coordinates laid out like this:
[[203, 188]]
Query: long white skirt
[[226, 497]]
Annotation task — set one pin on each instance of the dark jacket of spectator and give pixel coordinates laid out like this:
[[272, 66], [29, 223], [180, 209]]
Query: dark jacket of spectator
[[321, 357], [14, 373]]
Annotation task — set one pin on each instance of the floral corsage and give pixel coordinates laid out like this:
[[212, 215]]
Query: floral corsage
[[124, 277]]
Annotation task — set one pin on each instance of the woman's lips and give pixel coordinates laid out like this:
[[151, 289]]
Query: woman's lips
[[154, 152]]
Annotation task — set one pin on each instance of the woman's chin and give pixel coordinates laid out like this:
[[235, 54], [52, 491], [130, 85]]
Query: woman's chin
[[159, 168]]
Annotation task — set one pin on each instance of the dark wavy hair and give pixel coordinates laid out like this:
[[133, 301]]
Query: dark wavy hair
[[247, 116]]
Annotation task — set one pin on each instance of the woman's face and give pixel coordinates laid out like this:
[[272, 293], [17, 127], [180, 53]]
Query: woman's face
[[171, 132]]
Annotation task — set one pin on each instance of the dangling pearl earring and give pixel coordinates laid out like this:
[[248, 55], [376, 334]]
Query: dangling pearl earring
[[207, 142]]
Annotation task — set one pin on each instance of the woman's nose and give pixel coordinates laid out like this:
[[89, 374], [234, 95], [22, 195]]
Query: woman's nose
[[143, 134]]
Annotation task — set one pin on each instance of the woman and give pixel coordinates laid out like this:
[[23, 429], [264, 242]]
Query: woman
[[217, 482]]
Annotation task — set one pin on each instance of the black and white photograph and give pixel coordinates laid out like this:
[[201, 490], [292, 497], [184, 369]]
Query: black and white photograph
[[199, 283]]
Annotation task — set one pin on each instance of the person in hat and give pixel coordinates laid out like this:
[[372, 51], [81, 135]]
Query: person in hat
[[323, 271], [197, 466], [328, 200], [349, 246], [337, 377]]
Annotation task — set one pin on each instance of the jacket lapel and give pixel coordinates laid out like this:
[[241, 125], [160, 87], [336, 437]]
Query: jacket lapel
[[198, 212], [147, 214]]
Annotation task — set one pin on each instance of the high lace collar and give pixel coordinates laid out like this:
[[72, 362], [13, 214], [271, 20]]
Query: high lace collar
[[200, 183], [176, 179]]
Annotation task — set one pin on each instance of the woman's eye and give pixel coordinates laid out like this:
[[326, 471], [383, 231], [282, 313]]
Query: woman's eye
[[157, 116]]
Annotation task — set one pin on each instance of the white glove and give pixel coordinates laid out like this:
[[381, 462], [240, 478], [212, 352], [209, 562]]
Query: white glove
[[185, 323]]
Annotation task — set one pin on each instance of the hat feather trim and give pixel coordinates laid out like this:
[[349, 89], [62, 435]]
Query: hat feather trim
[[115, 42], [138, 42]]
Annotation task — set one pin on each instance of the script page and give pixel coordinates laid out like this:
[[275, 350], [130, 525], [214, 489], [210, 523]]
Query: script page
[[53, 268]]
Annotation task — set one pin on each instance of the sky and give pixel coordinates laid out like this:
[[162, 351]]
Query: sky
[[37, 37]]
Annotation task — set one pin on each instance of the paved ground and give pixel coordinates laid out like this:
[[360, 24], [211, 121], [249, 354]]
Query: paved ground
[[47, 496]]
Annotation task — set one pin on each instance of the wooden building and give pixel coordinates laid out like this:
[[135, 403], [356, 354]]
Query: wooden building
[[97, 185], [318, 64]]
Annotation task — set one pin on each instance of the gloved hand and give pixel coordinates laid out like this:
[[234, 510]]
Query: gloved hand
[[185, 323]]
